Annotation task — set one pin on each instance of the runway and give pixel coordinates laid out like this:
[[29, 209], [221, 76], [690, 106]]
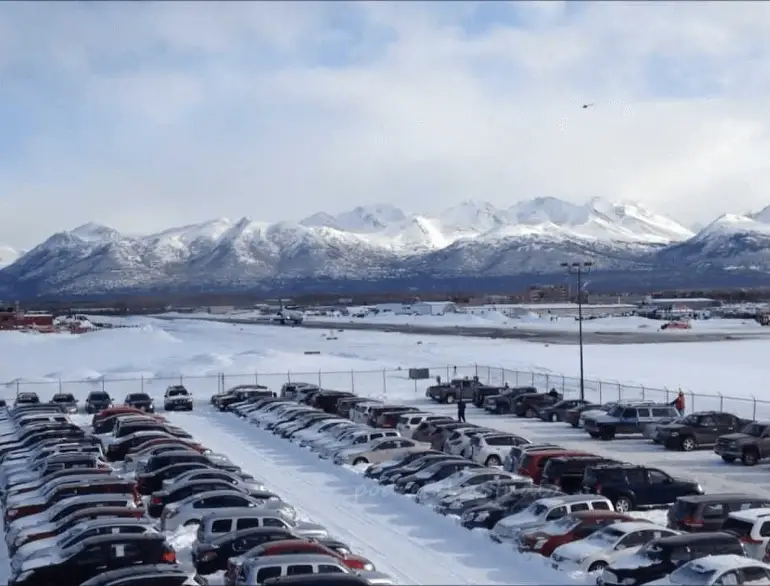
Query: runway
[[527, 335]]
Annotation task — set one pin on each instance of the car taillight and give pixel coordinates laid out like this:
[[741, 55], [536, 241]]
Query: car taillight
[[156, 500], [169, 557], [691, 522], [750, 540], [12, 513]]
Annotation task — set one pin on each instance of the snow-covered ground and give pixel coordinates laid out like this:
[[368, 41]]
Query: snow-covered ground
[[542, 321], [402, 538]]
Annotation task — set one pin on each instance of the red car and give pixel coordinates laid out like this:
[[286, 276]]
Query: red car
[[543, 539], [532, 463], [105, 413]]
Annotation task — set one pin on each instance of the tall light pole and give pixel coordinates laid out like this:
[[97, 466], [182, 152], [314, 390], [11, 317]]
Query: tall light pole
[[578, 269]]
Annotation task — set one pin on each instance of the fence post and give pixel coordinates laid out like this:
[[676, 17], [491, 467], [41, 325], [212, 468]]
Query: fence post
[[601, 393], [384, 382], [489, 375], [256, 378], [754, 415], [692, 399], [721, 401], [533, 379], [563, 386], [447, 373], [17, 387], [102, 382], [288, 376], [642, 392], [476, 370], [620, 392], [142, 382], [319, 377], [60, 385], [547, 382], [516, 372], [181, 379], [353, 381]]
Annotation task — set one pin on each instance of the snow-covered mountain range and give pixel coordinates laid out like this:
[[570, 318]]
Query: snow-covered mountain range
[[382, 241]]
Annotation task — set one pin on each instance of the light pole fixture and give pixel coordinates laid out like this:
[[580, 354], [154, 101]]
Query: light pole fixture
[[579, 269]]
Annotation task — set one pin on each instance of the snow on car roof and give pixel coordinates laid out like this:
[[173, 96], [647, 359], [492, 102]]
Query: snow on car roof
[[724, 562], [631, 526], [751, 514]]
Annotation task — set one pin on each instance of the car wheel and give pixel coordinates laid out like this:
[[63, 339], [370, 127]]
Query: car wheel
[[530, 413], [729, 459], [358, 461], [688, 444], [554, 417], [597, 566], [623, 504], [575, 425], [493, 461], [749, 458], [607, 434], [192, 522], [593, 434], [449, 399]]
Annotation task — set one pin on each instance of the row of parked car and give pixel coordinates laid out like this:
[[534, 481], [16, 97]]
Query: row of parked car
[[176, 398], [733, 438], [94, 507], [574, 508]]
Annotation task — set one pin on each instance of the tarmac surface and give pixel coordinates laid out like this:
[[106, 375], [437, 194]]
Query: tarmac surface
[[527, 335]]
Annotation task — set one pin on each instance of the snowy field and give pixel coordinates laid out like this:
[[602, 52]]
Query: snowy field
[[535, 322], [402, 538]]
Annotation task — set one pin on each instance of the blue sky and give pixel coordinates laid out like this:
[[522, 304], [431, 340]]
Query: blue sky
[[147, 115]]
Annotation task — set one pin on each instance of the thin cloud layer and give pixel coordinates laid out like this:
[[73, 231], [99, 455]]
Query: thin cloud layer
[[146, 115]]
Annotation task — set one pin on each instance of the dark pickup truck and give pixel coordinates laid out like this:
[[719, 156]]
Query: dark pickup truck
[[481, 393], [699, 430], [749, 446], [451, 391], [529, 404], [504, 402]]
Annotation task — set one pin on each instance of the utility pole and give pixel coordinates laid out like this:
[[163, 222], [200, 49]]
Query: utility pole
[[578, 269]]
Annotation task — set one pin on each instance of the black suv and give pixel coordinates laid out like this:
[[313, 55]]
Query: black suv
[[141, 401], [708, 512], [565, 473], [98, 401], [503, 402], [481, 393], [698, 430], [629, 486], [662, 556]]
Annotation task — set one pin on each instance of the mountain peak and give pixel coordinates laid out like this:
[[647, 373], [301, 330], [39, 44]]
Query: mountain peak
[[93, 232]]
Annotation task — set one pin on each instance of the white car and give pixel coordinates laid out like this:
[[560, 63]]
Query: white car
[[431, 493], [320, 429], [269, 412], [360, 412], [191, 510], [279, 414], [753, 527], [541, 511], [718, 570], [491, 449], [408, 422], [460, 439], [355, 439], [312, 429], [599, 550], [244, 482], [337, 435], [310, 440], [379, 450]]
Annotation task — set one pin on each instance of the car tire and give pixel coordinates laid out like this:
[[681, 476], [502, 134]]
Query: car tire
[[749, 458], [554, 417], [449, 399], [728, 459], [192, 522], [688, 444], [493, 461], [597, 566], [606, 434], [593, 434], [623, 504], [358, 461]]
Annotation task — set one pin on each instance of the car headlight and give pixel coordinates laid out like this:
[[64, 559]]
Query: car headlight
[[482, 515], [368, 567], [540, 543]]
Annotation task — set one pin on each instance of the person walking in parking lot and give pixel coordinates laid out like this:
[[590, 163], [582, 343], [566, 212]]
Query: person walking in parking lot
[[678, 403], [461, 409]]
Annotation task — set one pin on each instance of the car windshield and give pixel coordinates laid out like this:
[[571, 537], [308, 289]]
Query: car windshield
[[561, 526], [605, 537], [99, 396], [538, 509], [63, 398], [138, 397], [616, 411], [691, 575], [176, 392], [754, 429]]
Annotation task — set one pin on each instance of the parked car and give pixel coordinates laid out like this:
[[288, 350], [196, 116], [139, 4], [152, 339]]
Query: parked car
[[67, 401], [717, 570], [628, 420], [659, 558], [605, 546], [97, 401], [558, 411], [381, 450], [708, 512], [451, 391], [26, 398], [141, 575], [573, 527], [752, 526], [141, 401], [699, 430], [481, 392], [529, 405], [629, 486], [409, 422], [750, 445], [533, 462], [490, 449], [565, 473], [211, 552]]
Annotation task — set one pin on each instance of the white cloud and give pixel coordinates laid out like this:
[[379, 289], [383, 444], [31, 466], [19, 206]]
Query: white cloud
[[166, 113]]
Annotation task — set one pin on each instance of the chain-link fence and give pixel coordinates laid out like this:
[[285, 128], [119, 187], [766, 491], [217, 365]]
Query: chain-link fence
[[395, 384]]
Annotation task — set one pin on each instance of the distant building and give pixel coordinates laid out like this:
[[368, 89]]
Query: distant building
[[548, 294], [433, 307], [220, 309]]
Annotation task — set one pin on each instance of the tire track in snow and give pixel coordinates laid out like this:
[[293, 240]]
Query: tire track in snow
[[375, 521]]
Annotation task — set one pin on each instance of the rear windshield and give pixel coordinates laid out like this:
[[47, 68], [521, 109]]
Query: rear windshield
[[176, 392], [138, 397], [99, 396], [682, 509], [525, 461], [63, 398]]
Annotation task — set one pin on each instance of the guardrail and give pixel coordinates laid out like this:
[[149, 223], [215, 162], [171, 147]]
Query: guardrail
[[394, 384]]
